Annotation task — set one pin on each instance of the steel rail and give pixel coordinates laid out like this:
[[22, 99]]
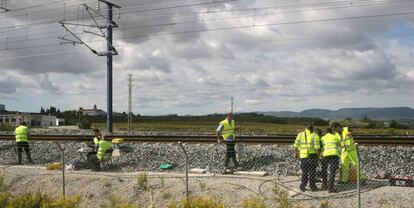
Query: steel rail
[[406, 140]]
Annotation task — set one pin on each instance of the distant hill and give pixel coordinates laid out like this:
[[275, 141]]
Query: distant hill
[[399, 113]]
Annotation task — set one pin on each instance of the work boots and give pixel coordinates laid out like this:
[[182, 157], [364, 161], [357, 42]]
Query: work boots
[[29, 157]]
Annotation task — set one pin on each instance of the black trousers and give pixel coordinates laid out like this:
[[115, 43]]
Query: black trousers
[[93, 162], [23, 146], [230, 154], [331, 163], [308, 166]]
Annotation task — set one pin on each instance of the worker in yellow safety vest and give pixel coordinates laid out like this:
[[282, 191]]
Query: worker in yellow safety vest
[[330, 160], [349, 152], [307, 148], [226, 129], [97, 137], [22, 142], [104, 153], [104, 150]]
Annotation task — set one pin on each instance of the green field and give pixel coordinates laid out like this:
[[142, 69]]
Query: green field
[[246, 128]]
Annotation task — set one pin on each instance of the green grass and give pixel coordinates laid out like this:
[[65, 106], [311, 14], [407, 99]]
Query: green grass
[[246, 128]]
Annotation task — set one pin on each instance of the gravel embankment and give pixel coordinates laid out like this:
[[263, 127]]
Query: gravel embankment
[[275, 159]]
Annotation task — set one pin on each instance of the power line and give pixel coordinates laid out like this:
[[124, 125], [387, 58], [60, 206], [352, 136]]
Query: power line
[[185, 22], [57, 19], [41, 5], [66, 6], [207, 3], [246, 26], [270, 40]]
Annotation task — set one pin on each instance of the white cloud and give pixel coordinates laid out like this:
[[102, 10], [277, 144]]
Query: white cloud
[[283, 67]]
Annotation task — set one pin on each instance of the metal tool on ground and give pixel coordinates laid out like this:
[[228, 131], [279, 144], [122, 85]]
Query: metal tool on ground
[[404, 181]]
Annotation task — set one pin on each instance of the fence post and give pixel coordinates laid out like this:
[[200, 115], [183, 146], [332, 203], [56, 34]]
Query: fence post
[[241, 146], [358, 170], [63, 170], [186, 168]]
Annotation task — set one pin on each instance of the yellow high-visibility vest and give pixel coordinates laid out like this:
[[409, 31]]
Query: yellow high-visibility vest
[[307, 143], [347, 141], [103, 147], [96, 140], [330, 144], [228, 129], [21, 133]]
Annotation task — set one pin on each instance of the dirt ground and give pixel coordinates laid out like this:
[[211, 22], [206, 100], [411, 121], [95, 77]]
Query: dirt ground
[[95, 188]]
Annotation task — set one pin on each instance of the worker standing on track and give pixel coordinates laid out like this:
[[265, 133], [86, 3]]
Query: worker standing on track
[[349, 152], [307, 146], [226, 129], [22, 142], [330, 160]]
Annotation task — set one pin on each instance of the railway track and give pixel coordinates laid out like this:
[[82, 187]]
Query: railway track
[[404, 140]]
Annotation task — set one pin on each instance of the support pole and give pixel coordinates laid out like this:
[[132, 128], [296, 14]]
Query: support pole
[[231, 105], [63, 170], [186, 169], [358, 170], [109, 71], [129, 102]]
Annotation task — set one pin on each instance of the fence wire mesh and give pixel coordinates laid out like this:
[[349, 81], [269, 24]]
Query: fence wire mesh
[[153, 174]]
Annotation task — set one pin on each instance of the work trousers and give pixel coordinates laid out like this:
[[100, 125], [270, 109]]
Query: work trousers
[[331, 163], [94, 162], [308, 166], [20, 146], [230, 154], [346, 159]]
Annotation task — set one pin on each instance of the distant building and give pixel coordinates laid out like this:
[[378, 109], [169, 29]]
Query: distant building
[[60, 121], [94, 112], [2, 107], [31, 119]]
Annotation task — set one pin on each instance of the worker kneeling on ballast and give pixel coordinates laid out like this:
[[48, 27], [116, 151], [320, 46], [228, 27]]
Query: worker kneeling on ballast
[[104, 153]]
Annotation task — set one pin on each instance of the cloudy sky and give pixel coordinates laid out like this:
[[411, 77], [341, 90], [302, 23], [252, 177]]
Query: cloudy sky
[[191, 56]]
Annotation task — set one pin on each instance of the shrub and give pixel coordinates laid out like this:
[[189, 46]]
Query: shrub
[[28, 200], [71, 202], [281, 198], [325, 204], [3, 185], [4, 199], [116, 202], [84, 124], [142, 181], [197, 202], [162, 181], [391, 131], [253, 203], [6, 127]]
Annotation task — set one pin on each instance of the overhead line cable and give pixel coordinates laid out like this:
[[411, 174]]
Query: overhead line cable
[[217, 19], [282, 6], [173, 24], [67, 5], [76, 4], [53, 20], [41, 5], [252, 26], [269, 40]]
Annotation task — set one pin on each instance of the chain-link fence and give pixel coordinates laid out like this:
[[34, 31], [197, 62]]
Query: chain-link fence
[[154, 175]]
